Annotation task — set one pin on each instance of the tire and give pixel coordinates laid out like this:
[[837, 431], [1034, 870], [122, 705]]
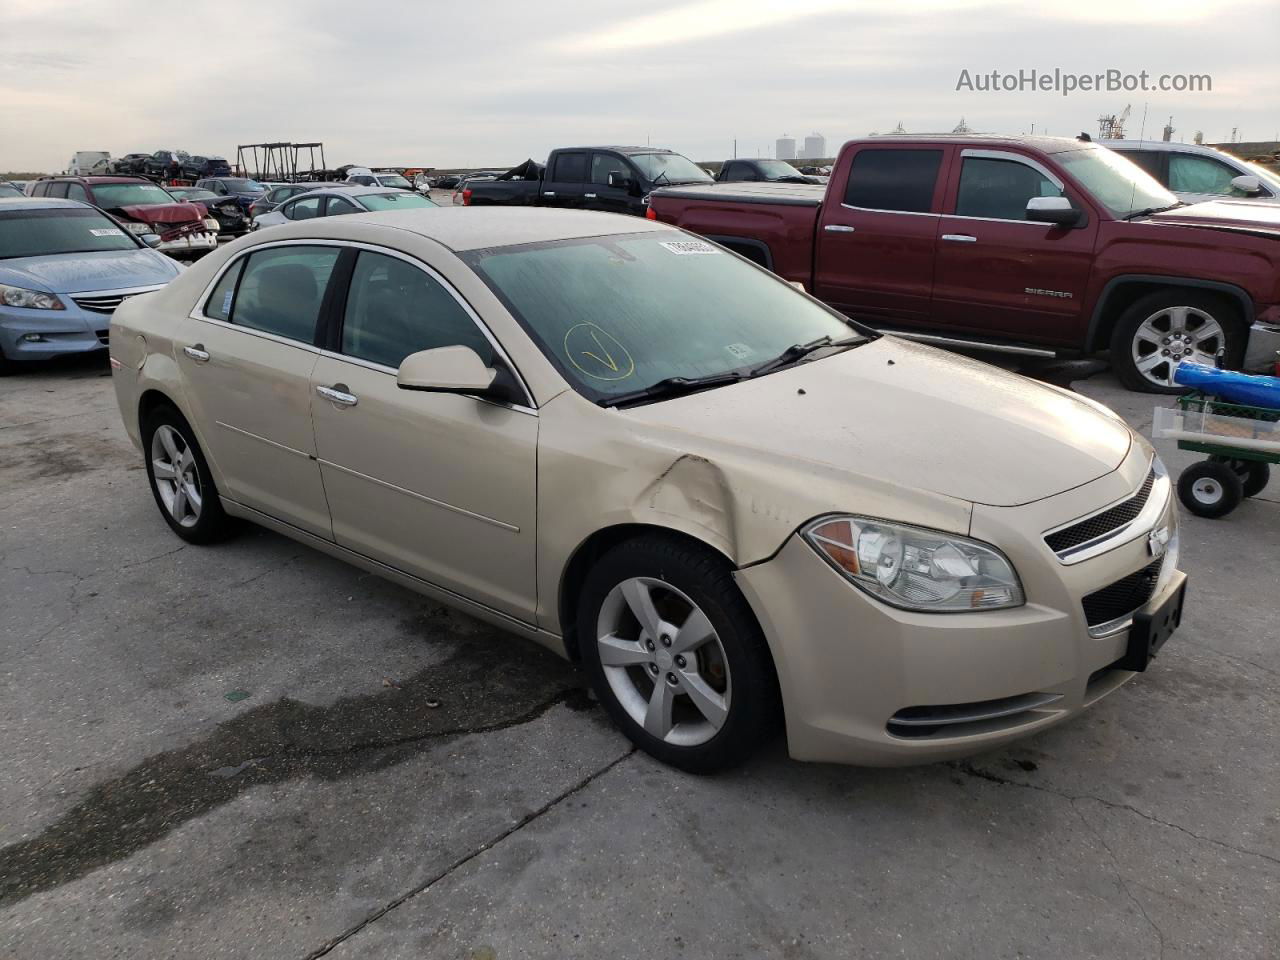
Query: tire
[[1195, 324], [7, 366], [190, 505], [1210, 489], [1254, 474], [703, 707]]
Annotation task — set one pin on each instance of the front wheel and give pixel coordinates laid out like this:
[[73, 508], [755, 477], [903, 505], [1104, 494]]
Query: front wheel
[[675, 654], [1210, 489], [1163, 329]]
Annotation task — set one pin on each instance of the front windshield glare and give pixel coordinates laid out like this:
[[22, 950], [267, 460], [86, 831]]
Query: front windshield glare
[[1119, 184], [669, 168], [42, 233], [778, 168], [129, 194], [395, 201], [619, 314]]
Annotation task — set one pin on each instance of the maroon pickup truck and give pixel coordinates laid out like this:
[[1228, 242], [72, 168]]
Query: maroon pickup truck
[[1032, 245]]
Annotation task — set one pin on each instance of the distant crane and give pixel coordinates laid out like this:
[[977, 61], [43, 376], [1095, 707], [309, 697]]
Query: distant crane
[[1169, 131], [1111, 127]]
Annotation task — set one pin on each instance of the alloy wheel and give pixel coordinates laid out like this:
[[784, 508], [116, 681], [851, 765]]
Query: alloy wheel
[[1171, 335], [177, 479], [664, 661]]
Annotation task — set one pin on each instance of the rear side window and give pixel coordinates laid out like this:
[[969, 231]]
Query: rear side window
[[56, 190], [281, 290], [303, 209], [395, 309], [893, 180], [1000, 189], [571, 167]]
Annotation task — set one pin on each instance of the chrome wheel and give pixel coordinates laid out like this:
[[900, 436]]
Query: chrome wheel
[[1172, 335], [663, 661], [173, 467]]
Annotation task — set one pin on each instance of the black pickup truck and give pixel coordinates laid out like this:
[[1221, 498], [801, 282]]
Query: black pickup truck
[[614, 179], [763, 171]]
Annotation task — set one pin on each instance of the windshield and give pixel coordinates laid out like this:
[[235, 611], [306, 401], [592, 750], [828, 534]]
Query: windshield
[[393, 180], [1118, 184], [620, 313], [39, 233], [191, 194], [777, 169], [399, 200], [244, 186], [9, 191], [670, 167], [129, 194]]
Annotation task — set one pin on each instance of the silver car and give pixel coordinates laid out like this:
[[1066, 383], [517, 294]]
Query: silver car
[[1197, 173], [339, 200]]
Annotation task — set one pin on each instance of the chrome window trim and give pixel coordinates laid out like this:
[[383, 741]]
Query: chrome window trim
[[904, 213], [197, 312]]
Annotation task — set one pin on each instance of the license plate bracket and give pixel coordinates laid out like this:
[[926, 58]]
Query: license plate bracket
[[1152, 626]]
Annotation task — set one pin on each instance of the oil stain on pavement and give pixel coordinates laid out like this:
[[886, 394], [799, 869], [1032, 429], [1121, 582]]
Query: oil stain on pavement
[[487, 683]]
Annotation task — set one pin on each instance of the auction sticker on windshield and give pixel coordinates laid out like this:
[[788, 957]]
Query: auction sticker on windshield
[[107, 232], [688, 247]]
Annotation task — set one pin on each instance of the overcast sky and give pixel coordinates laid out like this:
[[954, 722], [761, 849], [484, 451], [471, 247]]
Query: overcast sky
[[495, 82]]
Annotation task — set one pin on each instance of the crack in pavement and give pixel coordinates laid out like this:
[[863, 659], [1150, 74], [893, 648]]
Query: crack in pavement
[[967, 768], [467, 857], [1115, 864], [487, 683]]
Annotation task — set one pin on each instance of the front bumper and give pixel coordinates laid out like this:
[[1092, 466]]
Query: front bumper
[[190, 243], [854, 672], [77, 329]]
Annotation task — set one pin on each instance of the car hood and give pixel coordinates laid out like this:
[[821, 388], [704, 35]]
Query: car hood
[[80, 272], [180, 212], [1246, 215], [911, 416]]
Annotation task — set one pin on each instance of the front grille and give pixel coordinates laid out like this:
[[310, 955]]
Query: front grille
[[1122, 597], [1102, 523], [102, 304]]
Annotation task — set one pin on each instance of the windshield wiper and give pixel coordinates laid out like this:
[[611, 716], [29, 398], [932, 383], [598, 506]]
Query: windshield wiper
[[660, 177], [670, 387], [798, 351], [1150, 210]]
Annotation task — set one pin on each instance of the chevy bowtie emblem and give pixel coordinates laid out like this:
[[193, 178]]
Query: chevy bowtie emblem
[[1158, 542]]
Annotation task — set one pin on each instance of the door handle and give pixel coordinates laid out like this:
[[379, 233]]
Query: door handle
[[338, 394], [548, 193], [589, 196], [837, 228], [959, 238], [197, 353]]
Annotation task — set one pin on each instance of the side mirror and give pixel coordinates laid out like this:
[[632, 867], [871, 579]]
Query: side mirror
[[1055, 210], [151, 239], [446, 370], [1247, 184], [621, 182]]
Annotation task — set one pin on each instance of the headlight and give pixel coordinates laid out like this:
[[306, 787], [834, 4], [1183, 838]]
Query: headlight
[[32, 299], [138, 228], [916, 569]]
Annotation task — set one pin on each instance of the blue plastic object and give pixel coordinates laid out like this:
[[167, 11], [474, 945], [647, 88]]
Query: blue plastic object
[[1230, 386]]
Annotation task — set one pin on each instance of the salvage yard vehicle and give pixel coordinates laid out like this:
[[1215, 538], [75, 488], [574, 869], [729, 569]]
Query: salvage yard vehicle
[[241, 189], [196, 168], [1197, 173], [612, 179], [387, 179], [278, 193], [338, 201], [232, 221], [643, 452], [130, 163], [1032, 245], [64, 268], [766, 171], [141, 207]]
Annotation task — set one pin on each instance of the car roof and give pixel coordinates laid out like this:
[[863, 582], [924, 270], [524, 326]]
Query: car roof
[[347, 190], [1165, 146], [626, 150], [1043, 144], [476, 228], [104, 179], [39, 203]]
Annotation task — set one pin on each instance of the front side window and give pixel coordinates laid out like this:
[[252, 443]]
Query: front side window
[[901, 180], [618, 314], [1148, 160], [42, 233], [304, 209], [76, 191], [603, 164], [999, 189], [395, 309], [571, 168], [281, 291], [1192, 174], [339, 206], [738, 172]]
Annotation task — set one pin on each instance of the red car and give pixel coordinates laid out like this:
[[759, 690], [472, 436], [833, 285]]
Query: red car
[[142, 207], [1041, 246]]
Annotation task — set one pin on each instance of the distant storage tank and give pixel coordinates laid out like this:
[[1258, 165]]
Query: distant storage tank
[[786, 148], [815, 147]]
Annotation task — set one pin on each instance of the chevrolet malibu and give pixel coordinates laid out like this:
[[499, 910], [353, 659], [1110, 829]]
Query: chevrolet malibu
[[735, 507]]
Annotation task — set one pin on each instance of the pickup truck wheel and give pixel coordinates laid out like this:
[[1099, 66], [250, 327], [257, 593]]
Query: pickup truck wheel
[[1162, 329]]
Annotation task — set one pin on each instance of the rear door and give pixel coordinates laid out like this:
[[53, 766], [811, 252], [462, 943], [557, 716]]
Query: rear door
[[998, 272], [442, 486], [876, 241], [247, 374], [566, 179]]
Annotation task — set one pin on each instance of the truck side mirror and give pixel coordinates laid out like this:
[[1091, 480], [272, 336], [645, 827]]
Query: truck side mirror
[[1247, 185], [622, 182], [1055, 210]]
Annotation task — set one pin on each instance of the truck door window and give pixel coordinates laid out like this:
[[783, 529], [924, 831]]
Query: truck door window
[[1192, 174], [603, 164], [570, 168], [901, 180], [1000, 189], [738, 172]]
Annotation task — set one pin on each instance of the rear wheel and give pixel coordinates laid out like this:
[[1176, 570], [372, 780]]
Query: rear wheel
[[180, 480], [1163, 329], [676, 655], [1210, 489]]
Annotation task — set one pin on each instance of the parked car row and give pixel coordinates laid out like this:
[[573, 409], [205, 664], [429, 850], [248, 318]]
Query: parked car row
[[168, 164]]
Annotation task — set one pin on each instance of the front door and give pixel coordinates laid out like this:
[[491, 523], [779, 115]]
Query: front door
[[442, 486], [600, 195], [876, 244], [999, 273], [247, 369]]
